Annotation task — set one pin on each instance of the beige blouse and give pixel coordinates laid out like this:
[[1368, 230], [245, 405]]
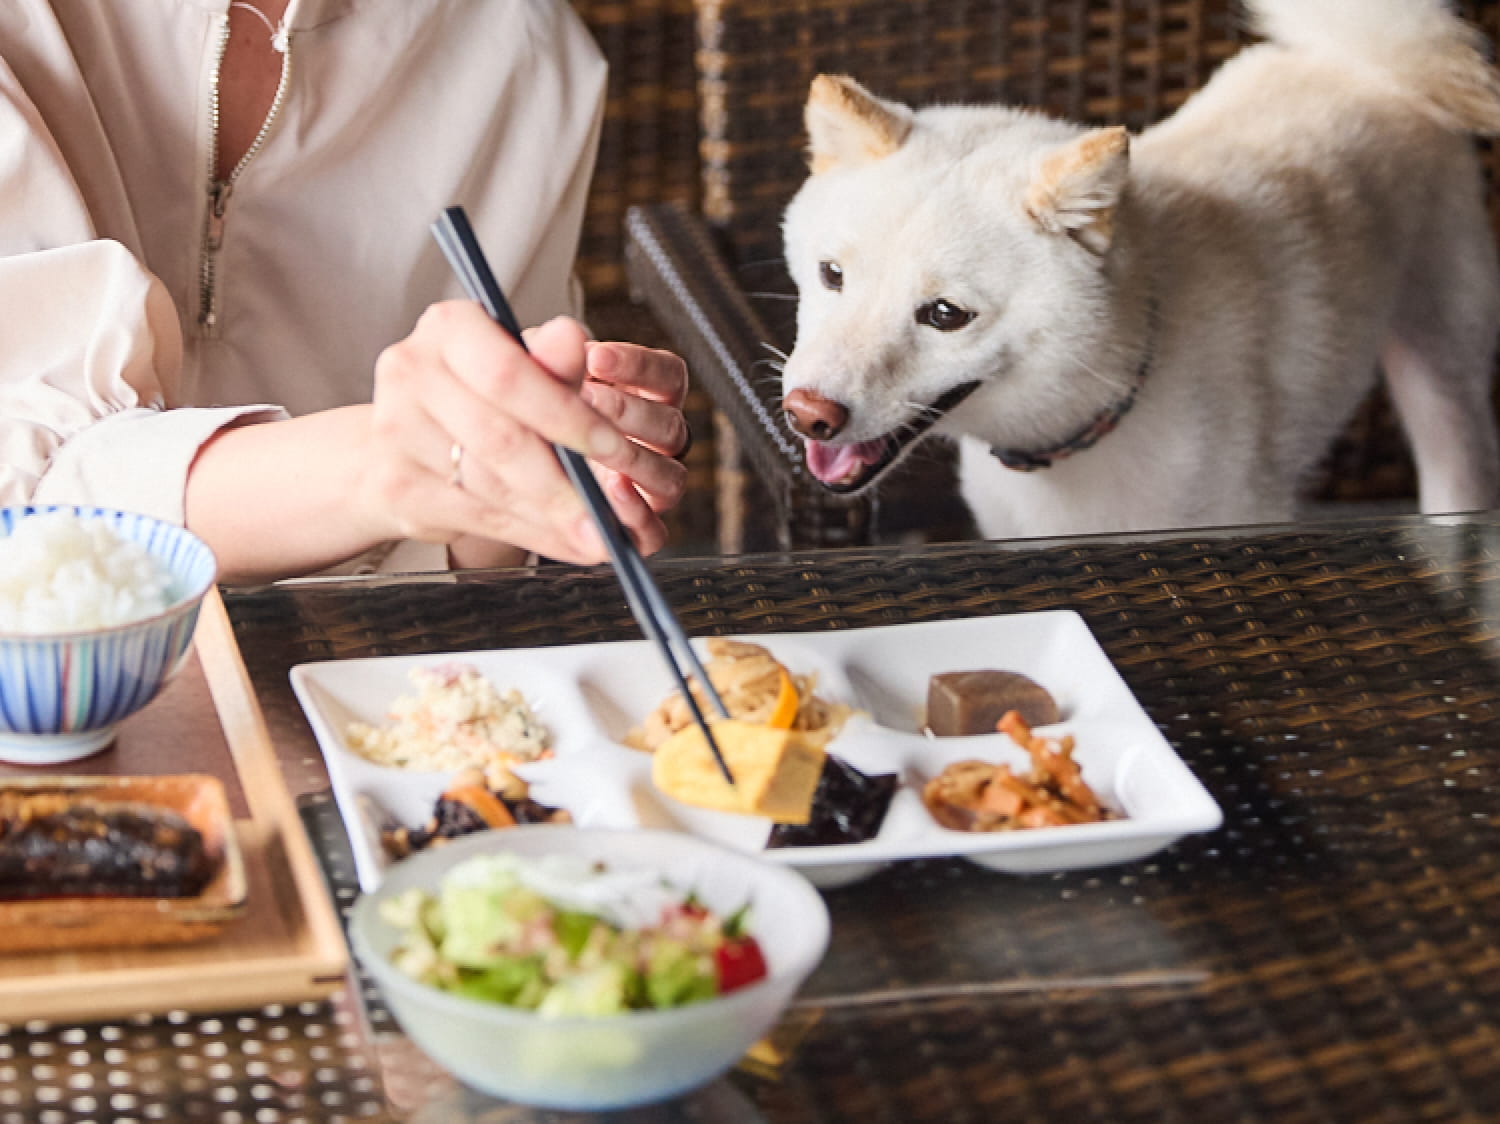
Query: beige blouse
[[134, 323]]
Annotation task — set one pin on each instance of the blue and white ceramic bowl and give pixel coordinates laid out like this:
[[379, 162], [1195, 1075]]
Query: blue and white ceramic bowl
[[62, 694]]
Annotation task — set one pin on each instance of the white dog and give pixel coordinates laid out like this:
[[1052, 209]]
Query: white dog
[[1168, 330]]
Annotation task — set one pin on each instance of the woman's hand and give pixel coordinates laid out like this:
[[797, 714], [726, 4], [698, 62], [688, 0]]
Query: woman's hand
[[642, 391], [459, 382], [457, 449]]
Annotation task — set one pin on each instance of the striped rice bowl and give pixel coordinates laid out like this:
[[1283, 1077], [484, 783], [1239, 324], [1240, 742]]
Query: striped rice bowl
[[97, 609]]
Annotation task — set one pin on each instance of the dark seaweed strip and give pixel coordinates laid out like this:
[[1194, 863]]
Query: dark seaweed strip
[[848, 807]]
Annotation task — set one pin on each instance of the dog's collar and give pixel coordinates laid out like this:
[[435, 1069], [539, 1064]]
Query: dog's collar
[[1027, 460]]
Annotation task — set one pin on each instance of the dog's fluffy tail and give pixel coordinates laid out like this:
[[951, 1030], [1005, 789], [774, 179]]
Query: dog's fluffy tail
[[1418, 45]]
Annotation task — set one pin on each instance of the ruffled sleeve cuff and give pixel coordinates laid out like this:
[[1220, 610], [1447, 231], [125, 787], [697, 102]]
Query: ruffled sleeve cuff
[[138, 459]]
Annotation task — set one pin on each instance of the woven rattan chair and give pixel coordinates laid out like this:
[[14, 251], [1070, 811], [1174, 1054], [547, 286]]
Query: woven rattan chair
[[710, 271]]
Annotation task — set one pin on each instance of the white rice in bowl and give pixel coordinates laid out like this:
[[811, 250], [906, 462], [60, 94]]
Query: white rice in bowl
[[60, 573]]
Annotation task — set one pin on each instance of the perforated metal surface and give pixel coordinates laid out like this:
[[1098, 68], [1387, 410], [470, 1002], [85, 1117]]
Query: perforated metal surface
[[278, 1065]]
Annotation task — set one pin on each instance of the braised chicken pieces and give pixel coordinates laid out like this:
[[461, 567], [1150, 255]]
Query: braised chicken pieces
[[979, 796]]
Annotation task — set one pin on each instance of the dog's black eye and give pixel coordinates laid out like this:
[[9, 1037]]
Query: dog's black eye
[[832, 275], [943, 315]]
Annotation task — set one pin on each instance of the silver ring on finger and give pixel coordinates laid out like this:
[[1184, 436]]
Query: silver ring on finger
[[456, 461]]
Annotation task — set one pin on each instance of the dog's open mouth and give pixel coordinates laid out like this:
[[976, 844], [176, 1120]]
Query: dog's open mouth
[[848, 468]]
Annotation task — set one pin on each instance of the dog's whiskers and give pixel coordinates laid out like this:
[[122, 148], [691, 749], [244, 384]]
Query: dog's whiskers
[[762, 262], [774, 350], [773, 379], [1112, 380], [922, 410]]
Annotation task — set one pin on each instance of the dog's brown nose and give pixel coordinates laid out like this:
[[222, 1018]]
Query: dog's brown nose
[[812, 415]]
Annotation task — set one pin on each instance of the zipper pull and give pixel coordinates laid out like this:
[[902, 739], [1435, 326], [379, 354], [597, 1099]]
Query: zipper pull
[[218, 200], [213, 239]]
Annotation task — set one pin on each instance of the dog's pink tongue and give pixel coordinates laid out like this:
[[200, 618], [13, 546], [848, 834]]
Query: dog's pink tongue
[[834, 464]]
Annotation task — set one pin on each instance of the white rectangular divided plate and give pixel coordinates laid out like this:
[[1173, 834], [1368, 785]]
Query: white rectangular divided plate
[[589, 695]]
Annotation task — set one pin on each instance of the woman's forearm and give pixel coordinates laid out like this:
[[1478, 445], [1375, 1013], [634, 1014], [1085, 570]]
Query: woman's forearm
[[280, 499]]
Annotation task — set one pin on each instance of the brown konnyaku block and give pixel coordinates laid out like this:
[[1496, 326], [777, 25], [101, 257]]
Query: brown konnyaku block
[[972, 702]]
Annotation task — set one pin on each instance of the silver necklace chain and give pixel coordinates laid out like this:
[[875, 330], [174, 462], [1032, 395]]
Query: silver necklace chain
[[278, 31]]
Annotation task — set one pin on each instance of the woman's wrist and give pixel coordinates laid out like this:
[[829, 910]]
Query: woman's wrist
[[472, 553], [285, 498]]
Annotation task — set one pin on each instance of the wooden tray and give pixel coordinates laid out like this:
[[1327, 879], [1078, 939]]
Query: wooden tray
[[70, 923], [287, 947]]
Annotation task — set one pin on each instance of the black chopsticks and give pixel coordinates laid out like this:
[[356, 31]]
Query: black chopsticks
[[647, 605]]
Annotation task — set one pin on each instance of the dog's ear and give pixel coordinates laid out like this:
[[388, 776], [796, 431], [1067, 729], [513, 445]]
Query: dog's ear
[[848, 125], [1078, 188]]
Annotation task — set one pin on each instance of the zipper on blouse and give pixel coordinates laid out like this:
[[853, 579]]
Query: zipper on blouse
[[219, 190]]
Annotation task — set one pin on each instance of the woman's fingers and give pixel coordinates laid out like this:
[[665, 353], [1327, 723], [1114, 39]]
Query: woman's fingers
[[659, 427], [566, 533], [496, 368], [659, 376], [641, 391], [635, 514], [505, 461], [662, 480]]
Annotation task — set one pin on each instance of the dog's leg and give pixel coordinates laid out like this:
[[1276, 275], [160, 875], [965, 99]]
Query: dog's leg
[[1447, 424], [1440, 357]]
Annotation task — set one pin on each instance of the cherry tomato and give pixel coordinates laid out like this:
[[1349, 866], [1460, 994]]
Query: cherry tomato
[[739, 962]]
